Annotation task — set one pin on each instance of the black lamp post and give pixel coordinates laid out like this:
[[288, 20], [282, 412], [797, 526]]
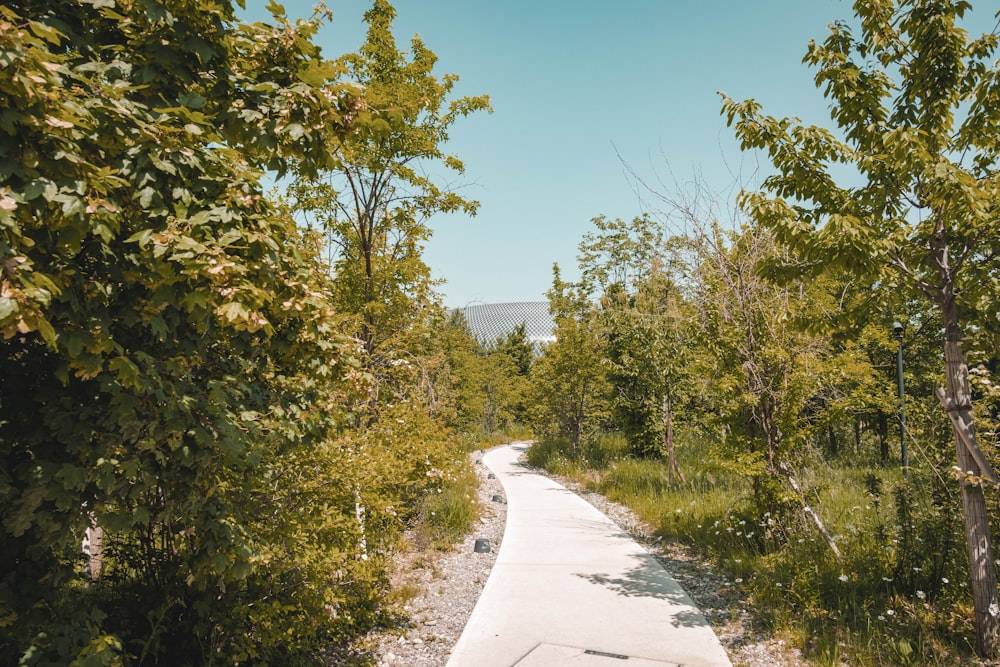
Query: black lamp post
[[897, 333]]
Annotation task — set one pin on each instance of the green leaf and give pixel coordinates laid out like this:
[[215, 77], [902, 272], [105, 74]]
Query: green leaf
[[234, 311], [127, 372], [8, 307], [141, 237]]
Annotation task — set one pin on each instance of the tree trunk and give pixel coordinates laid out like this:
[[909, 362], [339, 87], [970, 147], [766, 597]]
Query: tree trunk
[[831, 433], [811, 513], [857, 436], [977, 530], [883, 438], [93, 549], [668, 440]]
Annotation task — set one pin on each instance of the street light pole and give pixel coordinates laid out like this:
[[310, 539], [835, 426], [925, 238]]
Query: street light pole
[[897, 333]]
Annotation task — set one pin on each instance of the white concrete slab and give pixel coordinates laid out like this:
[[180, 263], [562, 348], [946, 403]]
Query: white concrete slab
[[567, 581]]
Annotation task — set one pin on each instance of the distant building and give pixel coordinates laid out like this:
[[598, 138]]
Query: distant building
[[489, 321]]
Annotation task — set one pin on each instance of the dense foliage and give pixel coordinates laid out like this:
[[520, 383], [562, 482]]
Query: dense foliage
[[181, 369]]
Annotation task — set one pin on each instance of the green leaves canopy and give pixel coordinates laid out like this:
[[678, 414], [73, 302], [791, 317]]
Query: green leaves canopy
[[164, 331], [915, 99]]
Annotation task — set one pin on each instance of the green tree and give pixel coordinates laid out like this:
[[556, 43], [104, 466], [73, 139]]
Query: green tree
[[915, 100], [374, 202], [513, 355], [162, 326], [569, 390], [757, 359], [518, 348], [631, 265]]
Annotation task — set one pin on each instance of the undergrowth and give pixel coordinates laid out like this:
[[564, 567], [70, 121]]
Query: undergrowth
[[445, 515]]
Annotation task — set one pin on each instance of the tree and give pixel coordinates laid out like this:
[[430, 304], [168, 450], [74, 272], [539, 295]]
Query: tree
[[631, 265], [512, 356], [165, 332], [374, 201], [758, 359], [569, 389], [915, 100]]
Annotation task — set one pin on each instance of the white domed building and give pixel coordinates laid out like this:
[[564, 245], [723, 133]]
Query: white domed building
[[489, 321]]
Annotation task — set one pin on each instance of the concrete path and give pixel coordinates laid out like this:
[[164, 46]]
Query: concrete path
[[570, 588]]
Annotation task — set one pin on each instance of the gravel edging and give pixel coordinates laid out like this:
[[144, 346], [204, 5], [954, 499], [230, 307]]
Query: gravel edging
[[447, 586]]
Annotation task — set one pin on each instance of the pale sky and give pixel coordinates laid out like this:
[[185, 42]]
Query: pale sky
[[583, 92]]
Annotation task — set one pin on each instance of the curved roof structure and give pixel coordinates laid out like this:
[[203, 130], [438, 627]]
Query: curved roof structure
[[489, 321]]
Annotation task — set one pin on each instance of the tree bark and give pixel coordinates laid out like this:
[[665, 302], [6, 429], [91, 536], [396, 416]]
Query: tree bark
[[857, 436], [93, 550], [883, 438], [673, 468], [982, 575]]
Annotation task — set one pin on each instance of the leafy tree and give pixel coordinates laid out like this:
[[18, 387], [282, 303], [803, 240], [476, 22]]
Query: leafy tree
[[516, 346], [460, 360], [641, 318], [374, 201], [569, 389], [915, 100], [166, 339], [512, 356], [757, 355]]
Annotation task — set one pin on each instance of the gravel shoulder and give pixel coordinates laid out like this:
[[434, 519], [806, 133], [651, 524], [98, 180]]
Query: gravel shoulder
[[446, 585]]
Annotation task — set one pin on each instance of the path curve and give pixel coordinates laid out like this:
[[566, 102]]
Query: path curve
[[569, 587]]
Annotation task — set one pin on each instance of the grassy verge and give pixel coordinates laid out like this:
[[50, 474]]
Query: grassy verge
[[898, 596], [445, 517]]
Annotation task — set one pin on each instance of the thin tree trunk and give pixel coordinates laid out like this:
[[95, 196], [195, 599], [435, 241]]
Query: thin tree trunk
[[831, 434], [812, 514], [673, 468], [883, 438], [977, 529], [93, 549]]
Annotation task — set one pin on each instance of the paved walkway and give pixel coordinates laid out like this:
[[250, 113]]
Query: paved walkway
[[570, 588]]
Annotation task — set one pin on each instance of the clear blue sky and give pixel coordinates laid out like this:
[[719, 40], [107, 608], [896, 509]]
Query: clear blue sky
[[582, 91]]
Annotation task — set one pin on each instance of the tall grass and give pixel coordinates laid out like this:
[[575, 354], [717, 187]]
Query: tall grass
[[899, 595], [446, 517]]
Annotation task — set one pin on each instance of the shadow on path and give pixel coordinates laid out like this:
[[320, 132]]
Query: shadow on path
[[648, 579]]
